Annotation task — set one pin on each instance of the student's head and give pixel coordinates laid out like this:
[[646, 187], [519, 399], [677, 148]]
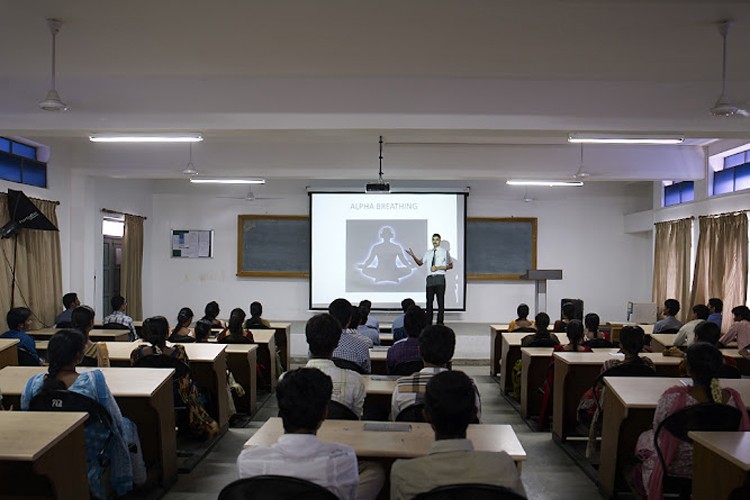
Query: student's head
[[256, 309], [574, 331], [341, 309], [356, 317], [436, 240], [70, 300], [741, 313], [365, 306], [450, 404], [715, 305], [82, 319], [118, 303], [414, 321], [542, 322], [212, 310], [155, 330], [703, 362], [592, 322], [437, 344], [236, 320], [522, 311], [303, 396], [568, 310], [202, 330], [700, 311], [184, 318], [406, 304], [65, 349], [363, 314], [322, 333], [708, 332], [631, 339], [19, 318], [671, 307]]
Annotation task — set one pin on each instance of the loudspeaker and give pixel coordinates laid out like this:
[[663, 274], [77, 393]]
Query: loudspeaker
[[577, 307]]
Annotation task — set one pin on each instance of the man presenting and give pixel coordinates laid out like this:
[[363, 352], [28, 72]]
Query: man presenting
[[439, 261]]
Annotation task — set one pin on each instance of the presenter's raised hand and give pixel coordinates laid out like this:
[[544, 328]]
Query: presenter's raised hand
[[411, 252]]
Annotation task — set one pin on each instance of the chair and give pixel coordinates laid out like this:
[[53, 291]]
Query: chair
[[408, 367], [729, 371], [635, 369], [272, 487], [670, 330], [69, 401], [118, 326], [711, 417], [64, 324], [413, 413], [181, 369], [25, 358], [470, 492], [338, 411], [345, 364]]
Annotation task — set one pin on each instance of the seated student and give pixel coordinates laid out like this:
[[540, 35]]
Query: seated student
[[706, 332], [686, 335], [211, 313], [407, 349], [704, 362], [715, 307], [70, 301], [155, 331], [669, 323], [352, 346], [359, 317], [303, 396], [437, 344], [64, 352], [202, 331], [118, 316], [574, 332], [234, 333], [181, 332], [255, 320], [370, 320], [322, 333], [397, 327], [95, 353], [542, 337], [522, 321], [19, 322], [740, 329], [593, 338], [568, 313], [449, 408]]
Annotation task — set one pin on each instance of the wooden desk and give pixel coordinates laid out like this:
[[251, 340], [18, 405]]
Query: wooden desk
[[242, 362], [386, 339], [534, 366], [721, 463], [386, 327], [138, 324], [43, 455], [575, 373], [283, 342], [496, 335], [144, 395], [266, 341], [95, 335], [510, 352], [8, 352], [629, 404], [414, 443], [378, 362], [379, 389]]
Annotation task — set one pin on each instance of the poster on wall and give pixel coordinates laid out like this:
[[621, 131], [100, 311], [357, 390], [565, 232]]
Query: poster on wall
[[192, 243]]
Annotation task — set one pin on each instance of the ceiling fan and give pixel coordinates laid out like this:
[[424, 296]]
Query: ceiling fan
[[581, 173], [250, 196], [53, 102], [190, 168], [723, 106]]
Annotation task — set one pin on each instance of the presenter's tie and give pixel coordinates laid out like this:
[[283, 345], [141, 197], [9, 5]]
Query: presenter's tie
[[434, 254]]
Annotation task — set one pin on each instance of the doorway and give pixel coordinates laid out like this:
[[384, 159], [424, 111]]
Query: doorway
[[113, 230]]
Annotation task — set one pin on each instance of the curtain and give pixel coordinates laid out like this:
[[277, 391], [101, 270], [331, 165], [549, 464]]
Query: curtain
[[721, 263], [672, 264], [38, 267], [131, 266]]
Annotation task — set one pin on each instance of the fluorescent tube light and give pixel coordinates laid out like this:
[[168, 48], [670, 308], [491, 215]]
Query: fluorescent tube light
[[520, 182], [140, 138], [624, 139], [225, 180]]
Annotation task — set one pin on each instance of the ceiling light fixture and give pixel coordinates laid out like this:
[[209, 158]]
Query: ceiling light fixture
[[624, 139], [225, 180], [141, 138], [53, 102], [547, 183]]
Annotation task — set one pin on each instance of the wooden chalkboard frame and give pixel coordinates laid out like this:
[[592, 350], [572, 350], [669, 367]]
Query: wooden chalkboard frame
[[504, 220], [240, 247]]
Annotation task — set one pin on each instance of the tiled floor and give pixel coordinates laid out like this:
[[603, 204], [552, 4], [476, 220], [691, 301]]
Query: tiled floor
[[547, 474]]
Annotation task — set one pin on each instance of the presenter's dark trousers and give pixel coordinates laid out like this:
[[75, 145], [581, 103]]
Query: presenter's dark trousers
[[436, 288]]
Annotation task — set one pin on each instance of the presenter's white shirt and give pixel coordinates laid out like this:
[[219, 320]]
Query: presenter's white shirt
[[442, 258]]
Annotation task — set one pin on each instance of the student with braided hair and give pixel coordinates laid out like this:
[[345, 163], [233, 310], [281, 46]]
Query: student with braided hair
[[181, 332], [703, 361], [235, 333], [95, 353], [64, 352]]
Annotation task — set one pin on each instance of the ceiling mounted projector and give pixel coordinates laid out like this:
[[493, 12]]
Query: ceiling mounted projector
[[380, 187], [53, 102]]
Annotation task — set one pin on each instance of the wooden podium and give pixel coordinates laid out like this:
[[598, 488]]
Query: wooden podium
[[540, 278]]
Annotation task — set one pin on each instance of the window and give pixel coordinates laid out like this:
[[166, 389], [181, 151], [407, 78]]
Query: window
[[679, 192], [18, 163], [113, 227], [732, 174]]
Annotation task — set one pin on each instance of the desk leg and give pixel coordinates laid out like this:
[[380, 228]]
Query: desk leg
[[533, 374], [65, 466], [496, 346], [243, 366], [272, 368], [573, 382], [213, 378], [282, 341], [9, 357]]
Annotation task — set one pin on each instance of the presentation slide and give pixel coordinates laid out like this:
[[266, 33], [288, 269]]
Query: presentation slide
[[359, 246]]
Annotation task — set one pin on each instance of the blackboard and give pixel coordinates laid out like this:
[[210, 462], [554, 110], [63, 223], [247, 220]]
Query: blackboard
[[273, 245], [500, 248]]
